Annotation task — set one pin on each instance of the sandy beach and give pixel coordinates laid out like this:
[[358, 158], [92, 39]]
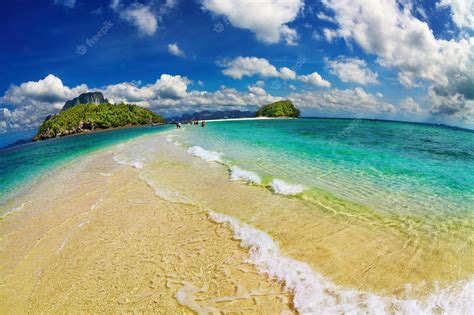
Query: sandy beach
[[145, 226], [95, 238]]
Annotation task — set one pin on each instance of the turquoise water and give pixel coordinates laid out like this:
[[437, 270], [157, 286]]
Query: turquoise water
[[20, 165], [389, 166]]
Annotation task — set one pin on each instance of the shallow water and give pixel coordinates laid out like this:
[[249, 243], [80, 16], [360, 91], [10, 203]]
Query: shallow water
[[22, 165], [352, 217]]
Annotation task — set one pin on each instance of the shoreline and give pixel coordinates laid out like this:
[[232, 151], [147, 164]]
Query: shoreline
[[250, 118], [103, 222], [121, 197], [99, 130]]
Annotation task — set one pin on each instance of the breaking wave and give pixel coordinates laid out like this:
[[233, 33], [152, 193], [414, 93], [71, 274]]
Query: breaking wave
[[283, 188], [236, 173], [314, 294]]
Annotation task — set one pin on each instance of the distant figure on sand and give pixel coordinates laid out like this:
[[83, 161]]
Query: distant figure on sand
[[203, 123], [178, 125]]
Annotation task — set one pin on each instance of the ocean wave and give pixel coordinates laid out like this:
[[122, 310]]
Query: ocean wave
[[135, 163], [283, 188], [19, 208], [314, 294], [209, 156], [236, 173]]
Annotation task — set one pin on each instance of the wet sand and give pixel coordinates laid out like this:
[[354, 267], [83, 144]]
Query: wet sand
[[94, 238], [128, 229]]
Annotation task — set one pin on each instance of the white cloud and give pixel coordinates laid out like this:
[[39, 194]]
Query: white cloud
[[407, 79], [49, 90], [167, 87], [408, 106], [141, 17], [324, 17], [257, 90], [352, 70], [249, 66], [289, 35], [287, 74], [453, 106], [32, 101], [462, 12], [329, 34], [314, 79], [266, 19], [175, 50], [67, 3], [388, 30], [351, 102]]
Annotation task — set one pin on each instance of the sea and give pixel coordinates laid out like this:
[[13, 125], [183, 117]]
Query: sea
[[353, 216]]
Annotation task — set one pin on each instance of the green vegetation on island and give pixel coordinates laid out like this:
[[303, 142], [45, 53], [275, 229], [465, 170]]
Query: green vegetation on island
[[279, 109], [89, 117]]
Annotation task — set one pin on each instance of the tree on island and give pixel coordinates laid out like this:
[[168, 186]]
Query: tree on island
[[88, 117], [279, 109]]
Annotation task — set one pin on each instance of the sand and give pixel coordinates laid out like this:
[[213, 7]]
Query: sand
[[94, 238]]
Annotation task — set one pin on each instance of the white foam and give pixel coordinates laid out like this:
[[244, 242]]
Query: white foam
[[209, 156], [314, 294], [136, 163], [236, 173], [19, 208], [283, 188]]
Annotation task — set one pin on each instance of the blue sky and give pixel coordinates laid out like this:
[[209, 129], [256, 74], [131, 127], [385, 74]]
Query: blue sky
[[406, 60]]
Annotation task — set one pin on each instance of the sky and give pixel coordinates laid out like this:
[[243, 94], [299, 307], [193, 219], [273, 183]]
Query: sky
[[404, 60]]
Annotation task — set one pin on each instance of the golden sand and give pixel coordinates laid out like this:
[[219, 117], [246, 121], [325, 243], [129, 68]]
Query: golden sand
[[99, 236], [94, 238]]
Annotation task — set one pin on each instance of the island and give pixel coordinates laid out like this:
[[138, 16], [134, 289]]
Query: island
[[90, 117], [279, 109]]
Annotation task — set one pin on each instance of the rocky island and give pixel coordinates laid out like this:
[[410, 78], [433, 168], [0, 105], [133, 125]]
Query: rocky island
[[91, 111], [279, 109]]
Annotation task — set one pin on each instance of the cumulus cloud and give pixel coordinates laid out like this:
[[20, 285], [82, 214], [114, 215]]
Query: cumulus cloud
[[451, 106], [166, 87], [253, 66], [175, 50], [314, 79], [29, 103], [49, 90], [287, 74], [352, 70], [32, 101], [389, 30], [266, 19], [350, 102], [409, 106], [142, 18], [249, 66], [462, 12]]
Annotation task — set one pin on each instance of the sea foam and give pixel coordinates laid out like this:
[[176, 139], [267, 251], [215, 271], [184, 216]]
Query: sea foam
[[19, 208], [209, 156], [236, 173], [283, 188], [314, 294], [135, 163]]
